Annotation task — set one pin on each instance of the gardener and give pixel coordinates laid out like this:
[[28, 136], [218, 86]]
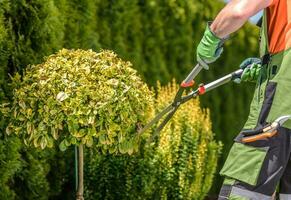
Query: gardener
[[253, 170]]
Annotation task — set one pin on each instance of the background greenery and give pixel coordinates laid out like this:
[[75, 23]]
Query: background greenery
[[158, 37]]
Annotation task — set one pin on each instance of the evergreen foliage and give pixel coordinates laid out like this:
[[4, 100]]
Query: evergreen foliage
[[178, 164], [31, 181], [30, 174], [80, 23], [5, 49], [9, 165], [29, 30], [34, 29]]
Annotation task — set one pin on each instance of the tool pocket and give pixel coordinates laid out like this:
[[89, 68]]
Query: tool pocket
[[244, 163]]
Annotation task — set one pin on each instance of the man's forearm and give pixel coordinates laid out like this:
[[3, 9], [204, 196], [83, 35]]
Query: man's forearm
[[235, 14], [227, 22]]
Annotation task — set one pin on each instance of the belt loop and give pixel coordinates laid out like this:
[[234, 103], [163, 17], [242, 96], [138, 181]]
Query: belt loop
[[274, 70]]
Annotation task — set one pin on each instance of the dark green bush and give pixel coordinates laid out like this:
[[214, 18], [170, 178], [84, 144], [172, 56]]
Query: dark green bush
[[31, 181], [9, 165], [29, 174]]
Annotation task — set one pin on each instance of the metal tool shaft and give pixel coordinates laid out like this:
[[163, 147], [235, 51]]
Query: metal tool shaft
[[195, 71], [217, 83], [223, 80]]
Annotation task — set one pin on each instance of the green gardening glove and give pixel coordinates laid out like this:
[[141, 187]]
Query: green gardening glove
[[209, 48], [252, 68]]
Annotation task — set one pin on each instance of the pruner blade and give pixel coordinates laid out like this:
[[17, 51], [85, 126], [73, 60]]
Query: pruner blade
[[178, 100], [157, 118], [281, 120]]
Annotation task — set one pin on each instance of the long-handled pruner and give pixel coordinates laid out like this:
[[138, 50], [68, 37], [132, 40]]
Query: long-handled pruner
[[266, 132], [179, 99]]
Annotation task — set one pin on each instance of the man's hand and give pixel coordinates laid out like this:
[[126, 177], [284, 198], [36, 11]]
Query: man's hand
[[209, 48], [252, 68]]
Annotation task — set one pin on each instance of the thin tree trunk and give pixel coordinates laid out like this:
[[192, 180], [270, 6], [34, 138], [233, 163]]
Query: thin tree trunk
[[80, 191]]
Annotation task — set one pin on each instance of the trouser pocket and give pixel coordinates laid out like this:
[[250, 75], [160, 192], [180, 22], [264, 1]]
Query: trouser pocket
[[244, 163]]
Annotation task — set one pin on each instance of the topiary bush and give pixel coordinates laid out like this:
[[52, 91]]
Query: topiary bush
[[77, 96], [179, 164]]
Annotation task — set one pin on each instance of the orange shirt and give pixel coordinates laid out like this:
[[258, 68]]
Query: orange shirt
[[279, 25]]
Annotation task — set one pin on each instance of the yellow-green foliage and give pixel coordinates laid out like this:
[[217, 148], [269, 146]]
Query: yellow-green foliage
[[186, 153], [179, 164], [79, 96]]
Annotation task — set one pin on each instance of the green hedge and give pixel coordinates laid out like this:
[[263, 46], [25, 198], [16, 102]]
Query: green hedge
[[9, 165], [30, 174]]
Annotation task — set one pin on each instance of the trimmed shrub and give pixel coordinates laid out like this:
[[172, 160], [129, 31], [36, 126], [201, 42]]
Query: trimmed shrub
[[79, 96], [179, 164]]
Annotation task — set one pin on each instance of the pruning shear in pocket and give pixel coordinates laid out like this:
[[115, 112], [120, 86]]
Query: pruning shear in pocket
[[266, 132]]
